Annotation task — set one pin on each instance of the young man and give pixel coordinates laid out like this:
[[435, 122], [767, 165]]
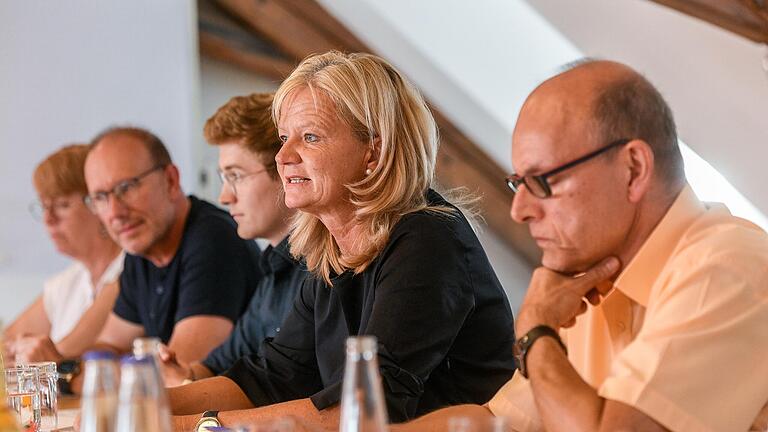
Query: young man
[[245, 135]]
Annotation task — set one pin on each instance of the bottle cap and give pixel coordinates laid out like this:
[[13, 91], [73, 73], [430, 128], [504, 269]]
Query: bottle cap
[[133, 360], [99, 355]]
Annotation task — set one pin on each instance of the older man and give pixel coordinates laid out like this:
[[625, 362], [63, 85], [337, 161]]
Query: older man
[[675, 337], [246, 137], [187, 275]]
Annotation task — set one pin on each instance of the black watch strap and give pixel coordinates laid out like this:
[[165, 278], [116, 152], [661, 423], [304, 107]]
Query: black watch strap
[[524, 344], [67, 371]]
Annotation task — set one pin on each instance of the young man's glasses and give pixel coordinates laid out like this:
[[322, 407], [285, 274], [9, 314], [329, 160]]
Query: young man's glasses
[[122, 191], [233, 178], [538, 184]]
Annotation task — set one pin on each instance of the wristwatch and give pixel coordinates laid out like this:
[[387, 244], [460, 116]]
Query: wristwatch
[[209, 419], [68, 370], [524, 344]]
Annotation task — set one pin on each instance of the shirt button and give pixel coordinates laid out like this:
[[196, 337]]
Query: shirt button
[[159, 290], [277, 330], [152, 314]]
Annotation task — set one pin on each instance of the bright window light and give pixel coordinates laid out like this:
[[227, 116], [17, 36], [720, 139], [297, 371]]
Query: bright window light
[[710, 185]]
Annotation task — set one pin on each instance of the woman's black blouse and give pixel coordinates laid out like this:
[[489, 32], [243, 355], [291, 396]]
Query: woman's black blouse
[[444, 326]]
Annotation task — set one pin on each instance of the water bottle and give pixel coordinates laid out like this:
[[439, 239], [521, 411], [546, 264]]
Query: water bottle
[[142, 406], [362, 400], [99, 402], [149, 347]]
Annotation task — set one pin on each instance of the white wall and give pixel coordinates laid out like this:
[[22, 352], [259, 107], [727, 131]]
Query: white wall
[[68, 70]]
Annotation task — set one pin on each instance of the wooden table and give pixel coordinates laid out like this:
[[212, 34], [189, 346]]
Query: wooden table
[[69, 406], [69, 402]]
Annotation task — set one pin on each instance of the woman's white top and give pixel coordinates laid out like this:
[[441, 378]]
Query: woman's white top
[[67, 295]]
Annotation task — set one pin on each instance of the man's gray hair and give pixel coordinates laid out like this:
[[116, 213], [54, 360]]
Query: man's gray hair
[[631, 107]]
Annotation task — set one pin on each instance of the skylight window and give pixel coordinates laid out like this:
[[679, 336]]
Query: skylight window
[[710, 185]]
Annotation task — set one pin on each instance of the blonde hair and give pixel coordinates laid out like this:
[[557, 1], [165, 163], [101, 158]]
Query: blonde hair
[[61, 173], [247, 119], [378, 103]]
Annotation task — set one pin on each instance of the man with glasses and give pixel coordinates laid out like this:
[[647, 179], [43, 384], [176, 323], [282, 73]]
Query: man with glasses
[[650, 310], [247, 141], [187, 276]]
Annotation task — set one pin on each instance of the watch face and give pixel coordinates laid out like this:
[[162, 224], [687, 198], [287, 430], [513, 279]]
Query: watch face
[[204, 424]]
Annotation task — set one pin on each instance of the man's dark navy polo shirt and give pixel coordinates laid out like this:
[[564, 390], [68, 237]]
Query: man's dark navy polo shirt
[[213, 273]]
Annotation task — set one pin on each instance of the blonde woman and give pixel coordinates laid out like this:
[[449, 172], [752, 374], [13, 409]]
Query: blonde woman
[[66, 318], [390, 258]]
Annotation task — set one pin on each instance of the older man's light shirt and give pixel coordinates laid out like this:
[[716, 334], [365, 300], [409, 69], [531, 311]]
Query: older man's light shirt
[[683, 337]]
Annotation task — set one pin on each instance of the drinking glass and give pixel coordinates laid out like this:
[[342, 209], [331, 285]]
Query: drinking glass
[[479, 424], [49, 388], [22, 384]]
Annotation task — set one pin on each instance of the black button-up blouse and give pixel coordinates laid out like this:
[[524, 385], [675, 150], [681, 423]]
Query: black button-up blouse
[[444, 326]]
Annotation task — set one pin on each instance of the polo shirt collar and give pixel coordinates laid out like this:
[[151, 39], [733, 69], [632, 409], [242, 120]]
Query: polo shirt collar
[[276, 259], [637, 278]]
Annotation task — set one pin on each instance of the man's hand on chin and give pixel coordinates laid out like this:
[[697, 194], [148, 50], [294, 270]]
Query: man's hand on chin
[[555, 299]]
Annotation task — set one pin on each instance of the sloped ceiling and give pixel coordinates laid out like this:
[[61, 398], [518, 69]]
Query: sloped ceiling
[[476, 63], [713, 78], [254, 35]]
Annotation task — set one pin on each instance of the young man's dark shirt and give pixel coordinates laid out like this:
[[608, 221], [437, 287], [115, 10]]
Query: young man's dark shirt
[[281, 279]]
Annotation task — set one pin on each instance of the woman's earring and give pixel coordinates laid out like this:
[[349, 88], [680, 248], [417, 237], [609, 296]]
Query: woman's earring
[[368, 171]]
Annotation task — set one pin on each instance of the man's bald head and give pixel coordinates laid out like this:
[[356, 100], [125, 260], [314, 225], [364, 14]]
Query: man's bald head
[[616, 102], [154, 146]]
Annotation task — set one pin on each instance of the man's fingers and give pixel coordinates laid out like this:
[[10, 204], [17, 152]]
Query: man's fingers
[[603, 287], [599, 273], [165, 354], [593, 297]]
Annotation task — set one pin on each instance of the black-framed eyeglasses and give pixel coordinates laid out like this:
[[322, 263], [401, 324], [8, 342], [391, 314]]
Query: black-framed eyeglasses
[[233, 178], [538, 184], [123, 191]]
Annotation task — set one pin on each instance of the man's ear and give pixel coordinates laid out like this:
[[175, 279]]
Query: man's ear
[[638, 157], [173, 179]]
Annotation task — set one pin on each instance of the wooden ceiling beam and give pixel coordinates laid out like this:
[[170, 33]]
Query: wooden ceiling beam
[[461, 163], [222, 49], [748, 18], [302, 27], [286, 24]]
